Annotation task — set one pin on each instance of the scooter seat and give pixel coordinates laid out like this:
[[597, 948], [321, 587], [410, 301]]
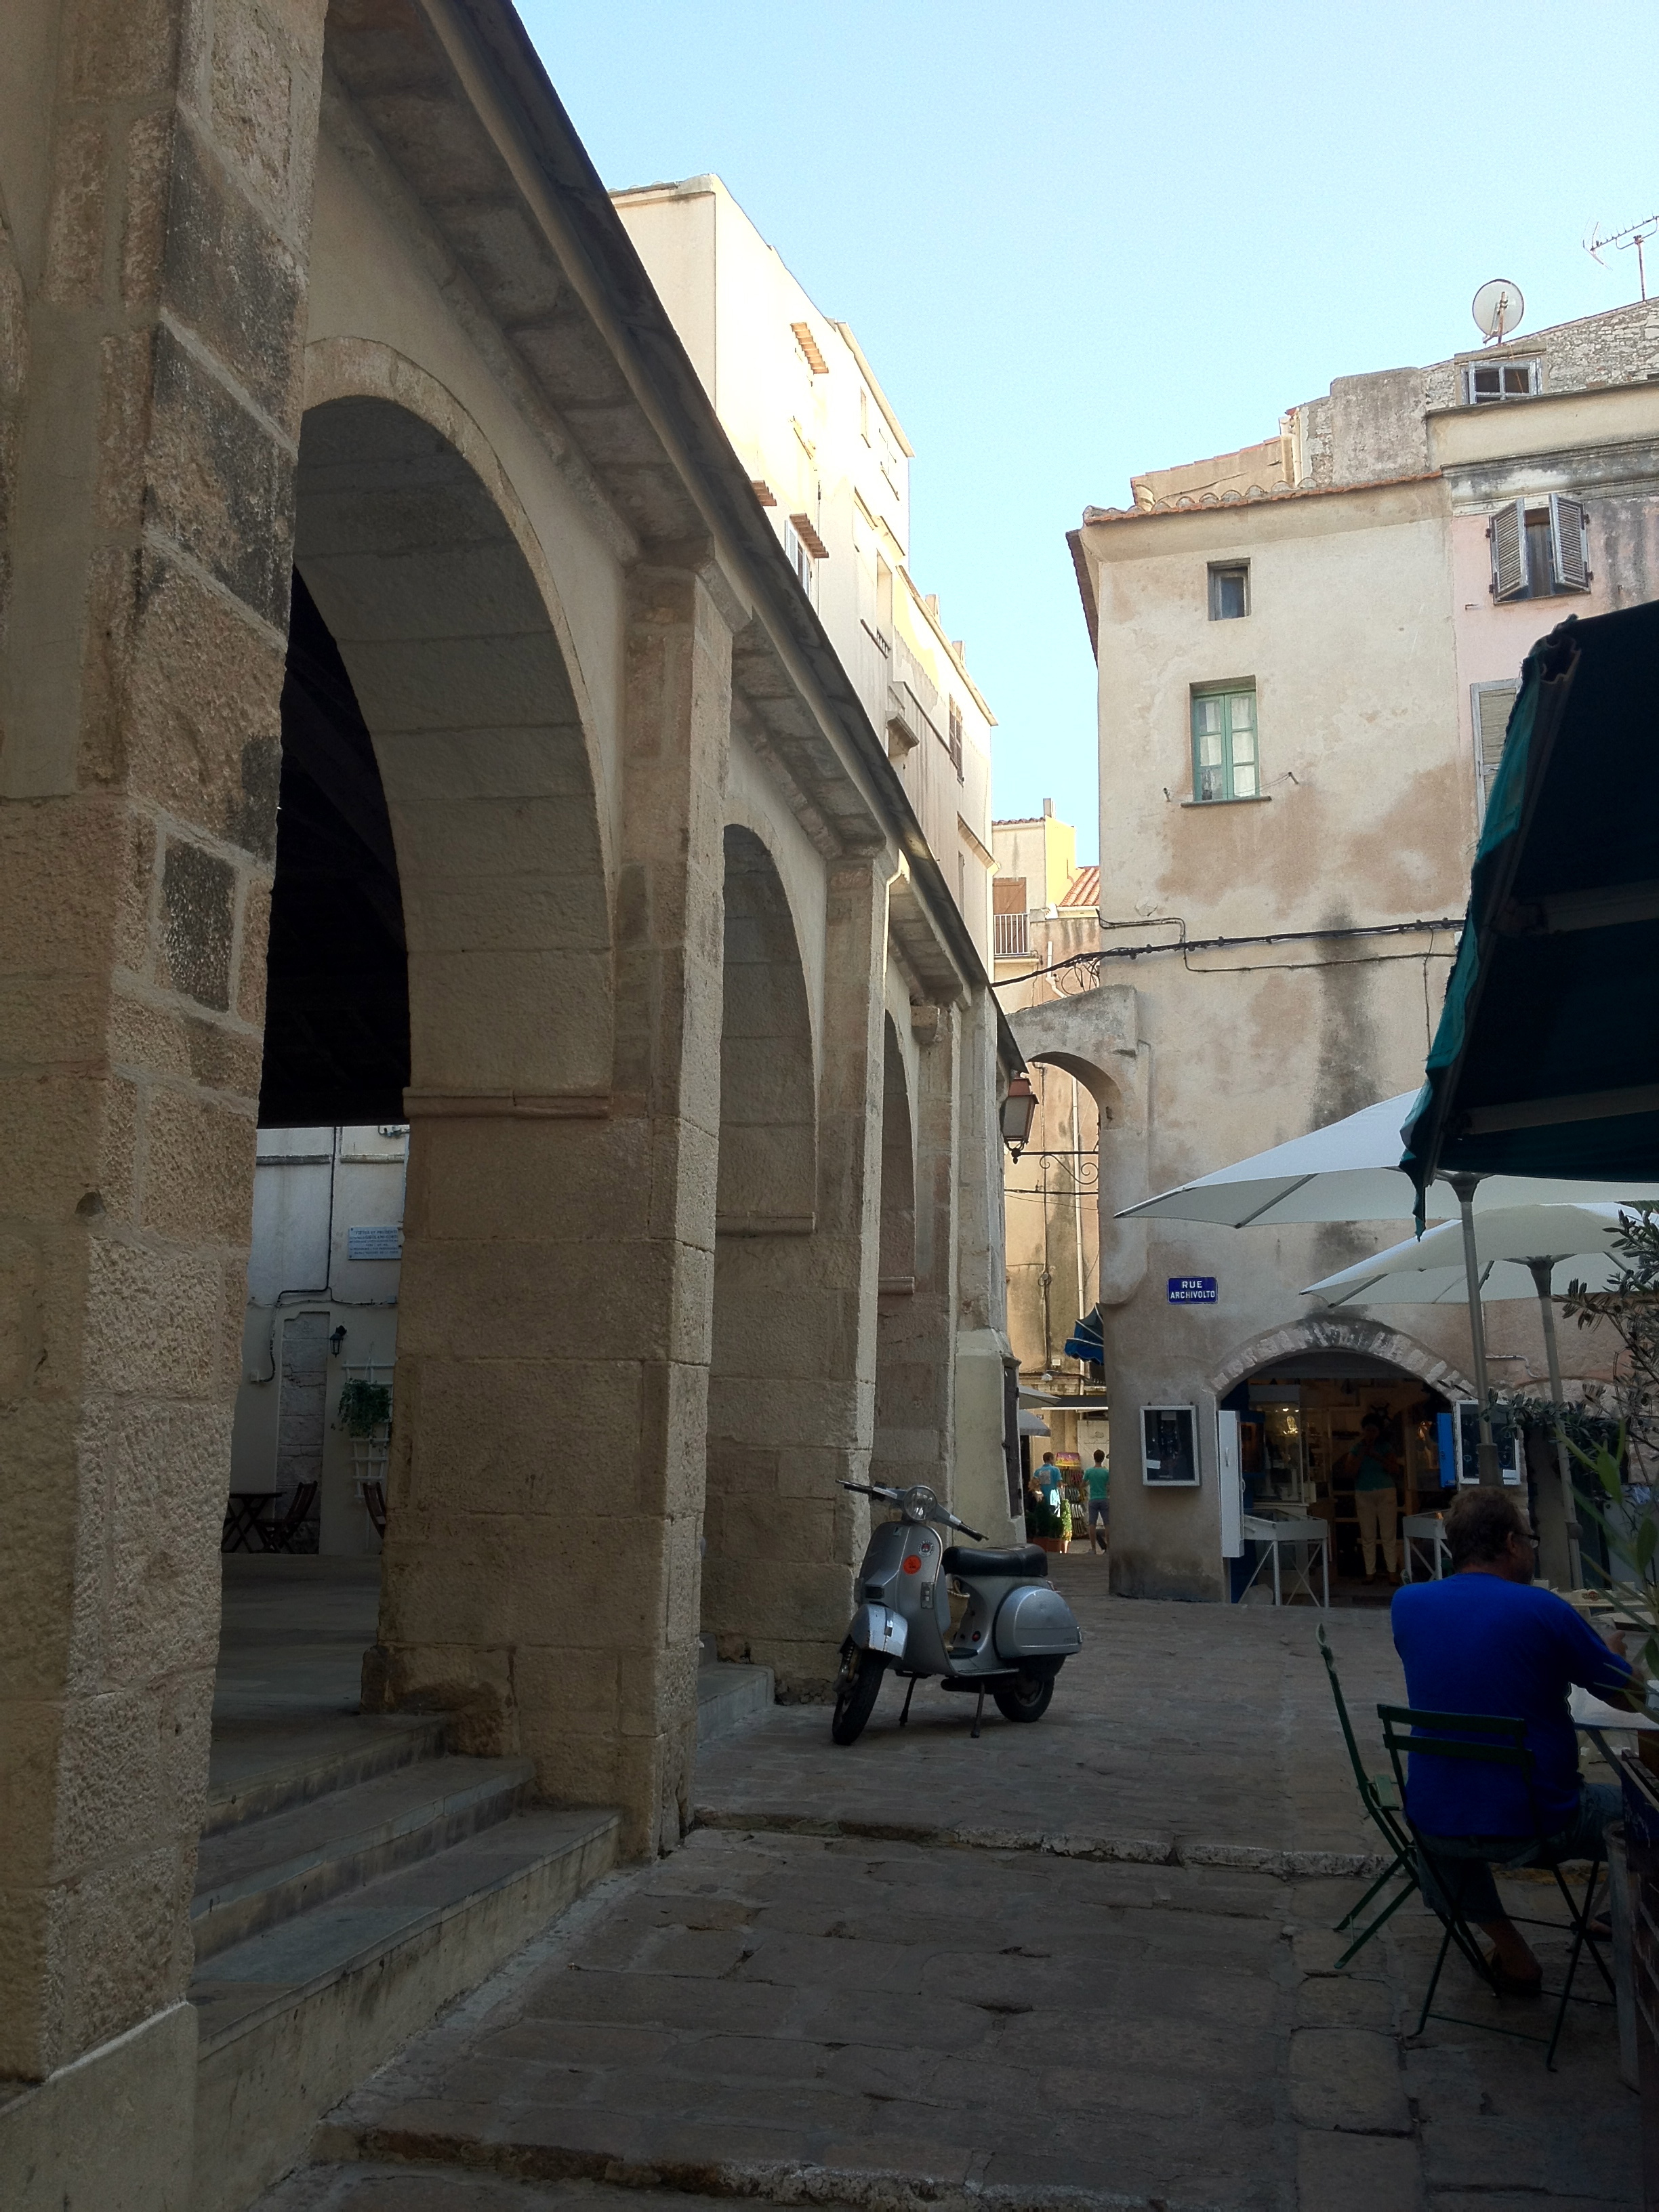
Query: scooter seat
[[1022, 1559]]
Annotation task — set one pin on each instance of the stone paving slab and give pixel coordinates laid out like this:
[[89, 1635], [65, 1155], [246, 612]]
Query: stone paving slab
[[1192, 1733], [837, 2021]]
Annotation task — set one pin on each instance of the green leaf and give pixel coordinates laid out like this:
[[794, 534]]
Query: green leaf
[[1647, 1539]]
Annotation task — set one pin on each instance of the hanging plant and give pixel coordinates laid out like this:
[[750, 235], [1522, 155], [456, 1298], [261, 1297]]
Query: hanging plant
[[364, 1406]]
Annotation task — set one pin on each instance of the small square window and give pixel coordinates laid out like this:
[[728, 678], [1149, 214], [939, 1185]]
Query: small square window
[[1230, 590], [1488, 381], [1225, 763]]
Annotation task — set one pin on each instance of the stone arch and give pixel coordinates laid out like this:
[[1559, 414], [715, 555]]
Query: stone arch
[[501, 1593], [449, 642], [898, 1168], [768, 1590], [1329, 1333], [768, 1177]]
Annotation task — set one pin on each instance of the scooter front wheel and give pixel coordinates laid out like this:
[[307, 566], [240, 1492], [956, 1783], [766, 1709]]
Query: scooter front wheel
[[857, 1687], [1025, 1698]]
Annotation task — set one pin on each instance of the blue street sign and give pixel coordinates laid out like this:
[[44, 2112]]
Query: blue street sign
[[1192, 1290]]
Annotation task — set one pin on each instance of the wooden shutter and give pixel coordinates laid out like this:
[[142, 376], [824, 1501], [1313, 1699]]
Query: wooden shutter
[[1491, 703], [1569, 544], [1508, 533]]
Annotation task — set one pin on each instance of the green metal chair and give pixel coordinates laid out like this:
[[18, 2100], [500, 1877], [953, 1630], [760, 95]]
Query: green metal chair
[[1380, 1796], [1490, 1740]]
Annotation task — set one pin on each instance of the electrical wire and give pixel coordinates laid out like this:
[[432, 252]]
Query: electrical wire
[[1187, 946]]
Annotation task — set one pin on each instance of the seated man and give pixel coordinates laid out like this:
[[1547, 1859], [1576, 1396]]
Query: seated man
[[1483, 1642]]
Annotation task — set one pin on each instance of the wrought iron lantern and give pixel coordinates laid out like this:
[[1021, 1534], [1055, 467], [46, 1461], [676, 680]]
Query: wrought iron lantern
[[1018, 1112]]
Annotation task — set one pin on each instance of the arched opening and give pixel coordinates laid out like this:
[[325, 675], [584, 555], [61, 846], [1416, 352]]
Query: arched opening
[[770, 1591], [905, 1449], [769, 1119], [898, 1170], [1053, 1194], [1349, 1422], [446, 1197]]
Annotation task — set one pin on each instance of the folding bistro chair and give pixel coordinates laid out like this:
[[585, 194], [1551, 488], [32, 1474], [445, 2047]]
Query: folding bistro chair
[[279, 1535], [1490, 1740], [1380, 1796]]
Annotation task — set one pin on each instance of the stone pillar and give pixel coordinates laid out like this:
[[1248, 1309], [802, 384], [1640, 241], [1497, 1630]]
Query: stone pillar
[[983, 1357], [915, 1327], [153, 334], [791, 1406], [541, 1566]]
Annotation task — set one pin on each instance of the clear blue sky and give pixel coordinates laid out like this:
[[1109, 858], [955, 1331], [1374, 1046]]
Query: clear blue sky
[[1079, 241]]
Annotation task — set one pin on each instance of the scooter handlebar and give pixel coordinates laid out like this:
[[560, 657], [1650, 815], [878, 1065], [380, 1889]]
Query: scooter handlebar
[[896, 1497]]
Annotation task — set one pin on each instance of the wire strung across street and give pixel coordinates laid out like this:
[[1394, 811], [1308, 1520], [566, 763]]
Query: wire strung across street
[[1186, 945]]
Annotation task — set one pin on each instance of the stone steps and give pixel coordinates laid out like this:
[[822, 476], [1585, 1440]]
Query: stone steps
[[262, 1872], [730, 1696], [376, 1880], [248, 1780]]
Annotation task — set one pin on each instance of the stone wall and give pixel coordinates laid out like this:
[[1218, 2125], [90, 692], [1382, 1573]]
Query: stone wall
[[156, 311]]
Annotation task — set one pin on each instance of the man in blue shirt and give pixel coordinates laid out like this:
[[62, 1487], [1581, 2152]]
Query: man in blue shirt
[[1483, 1641]]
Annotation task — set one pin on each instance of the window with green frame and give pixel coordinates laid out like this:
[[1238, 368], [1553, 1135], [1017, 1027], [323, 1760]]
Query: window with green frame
[[1225, 763]]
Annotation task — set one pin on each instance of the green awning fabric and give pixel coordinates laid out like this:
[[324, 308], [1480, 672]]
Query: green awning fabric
[[1546, 1062]]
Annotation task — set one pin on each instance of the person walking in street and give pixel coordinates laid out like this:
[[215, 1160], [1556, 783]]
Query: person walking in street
[[1097, 1482], [1047, 1516], [1376, 1501]]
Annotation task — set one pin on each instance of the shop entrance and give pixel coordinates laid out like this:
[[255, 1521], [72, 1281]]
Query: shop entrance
[[1313, 1427]]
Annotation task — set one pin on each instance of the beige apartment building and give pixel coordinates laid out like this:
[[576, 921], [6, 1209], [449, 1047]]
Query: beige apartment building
[[830, 463], [1306, 654]]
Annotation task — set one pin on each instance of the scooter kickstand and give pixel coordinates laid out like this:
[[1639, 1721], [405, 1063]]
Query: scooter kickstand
[[978, 1710], [905, 1716]]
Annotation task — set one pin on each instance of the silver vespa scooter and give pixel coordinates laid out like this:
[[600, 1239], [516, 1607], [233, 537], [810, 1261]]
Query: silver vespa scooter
[[1015, 1635]]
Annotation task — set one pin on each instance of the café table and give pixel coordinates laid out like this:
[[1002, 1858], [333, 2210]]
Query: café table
[[244, 1512], [1276, 1535], [1598, 1721]]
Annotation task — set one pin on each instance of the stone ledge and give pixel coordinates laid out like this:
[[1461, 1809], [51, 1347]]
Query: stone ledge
[[1133, 1851]]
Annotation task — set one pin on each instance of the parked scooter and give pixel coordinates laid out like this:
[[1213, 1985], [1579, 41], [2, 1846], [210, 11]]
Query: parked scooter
[[1014, 1637]]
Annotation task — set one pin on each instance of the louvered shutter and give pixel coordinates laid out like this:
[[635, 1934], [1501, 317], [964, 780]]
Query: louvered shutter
[[1491, 703], [1509, 551], [1569, 544]]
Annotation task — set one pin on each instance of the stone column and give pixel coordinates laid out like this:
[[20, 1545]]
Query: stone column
[[541, 1567], [154, 322], [791, 1412]]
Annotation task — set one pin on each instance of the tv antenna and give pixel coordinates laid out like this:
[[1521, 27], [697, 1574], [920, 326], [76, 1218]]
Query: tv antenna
[[1498, 307], [1635, 233]]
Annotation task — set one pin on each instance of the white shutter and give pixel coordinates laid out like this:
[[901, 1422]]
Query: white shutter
[[1491, 703], [1569, 544], [1508, 533]]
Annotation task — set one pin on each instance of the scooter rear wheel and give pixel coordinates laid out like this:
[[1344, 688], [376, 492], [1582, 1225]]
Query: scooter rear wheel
[[857, 1687], [1025, 1698]]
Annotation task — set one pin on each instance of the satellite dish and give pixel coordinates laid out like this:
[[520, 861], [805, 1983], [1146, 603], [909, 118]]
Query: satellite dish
[[1497, 308]]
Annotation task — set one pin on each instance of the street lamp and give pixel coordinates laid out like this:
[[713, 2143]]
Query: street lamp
[[1018, 1112]]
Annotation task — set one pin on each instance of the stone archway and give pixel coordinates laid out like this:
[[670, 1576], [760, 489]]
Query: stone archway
[[770, 1518], [1371, 1339], [548, 1610]]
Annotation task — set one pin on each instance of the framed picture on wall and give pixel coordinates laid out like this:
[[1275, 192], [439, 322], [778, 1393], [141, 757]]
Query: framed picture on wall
[[1169, 1447]]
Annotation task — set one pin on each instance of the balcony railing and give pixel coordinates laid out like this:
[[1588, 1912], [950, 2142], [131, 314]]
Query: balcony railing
[[1012, 936]]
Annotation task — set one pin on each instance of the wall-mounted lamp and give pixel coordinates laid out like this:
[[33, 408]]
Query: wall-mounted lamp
[[338, 1340], [1018, 1112]]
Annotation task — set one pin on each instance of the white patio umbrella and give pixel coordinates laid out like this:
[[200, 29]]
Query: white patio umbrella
[[1349, 1170], [1529, 1250]]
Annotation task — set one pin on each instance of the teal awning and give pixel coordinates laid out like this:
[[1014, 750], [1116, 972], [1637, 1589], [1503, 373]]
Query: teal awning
[[1546, 1062]]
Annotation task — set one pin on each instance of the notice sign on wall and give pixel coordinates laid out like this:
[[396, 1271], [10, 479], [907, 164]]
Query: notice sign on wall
[[376, 1243], [1192, 1290]]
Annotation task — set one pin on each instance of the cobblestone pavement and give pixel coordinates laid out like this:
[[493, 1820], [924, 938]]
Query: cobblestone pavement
[[874, 2019], [1178, 1728]]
